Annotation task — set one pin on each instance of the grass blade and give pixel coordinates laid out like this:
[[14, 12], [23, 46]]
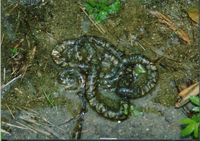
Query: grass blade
[[188, 130], [186, 121], [196, 130]]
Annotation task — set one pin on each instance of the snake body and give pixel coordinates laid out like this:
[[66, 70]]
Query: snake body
[[92, 62]]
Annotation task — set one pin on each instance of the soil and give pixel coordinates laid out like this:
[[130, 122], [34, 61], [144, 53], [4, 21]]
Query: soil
[[133, 30]]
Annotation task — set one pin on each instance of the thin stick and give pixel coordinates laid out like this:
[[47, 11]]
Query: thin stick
[[67, 121], [12, 9], [51, 124], [29, 120], [93, 22], [10, 112], [133, 38], [4, 131], [53, 133], [140, 45], [4, 74], [27, 127], [11, 81], [12, 125], [2, 38], [41, 131], [9, 6], [25, 108]]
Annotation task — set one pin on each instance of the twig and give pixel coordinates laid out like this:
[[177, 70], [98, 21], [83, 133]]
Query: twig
[[25, 108], [4, 131], [12, 125], [10, 82], [40, 131], [19, 43], [93, 22], [69, 120], [4, 74], [2, 38], [18, 22], [10, 112], [52, 132], [29, 120], [27, 127], [36, 129], [141, 45], [12, 9], [133, 38]]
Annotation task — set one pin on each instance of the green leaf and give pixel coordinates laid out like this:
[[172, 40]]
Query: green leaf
[[196, 118], [135, 111], [195, 100], [14, 51], [196, 109], [114, 8], [196, 130], [88, 8], [92, 3], [125, 110], [102, 5], [188, 130], [187, 121], [100, 9], [101, 16], [139, 69]]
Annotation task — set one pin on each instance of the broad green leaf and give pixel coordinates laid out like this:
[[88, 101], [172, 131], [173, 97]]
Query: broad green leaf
[[196, 130], [187, 121], [195, 100], [196, 109], [188, 130]]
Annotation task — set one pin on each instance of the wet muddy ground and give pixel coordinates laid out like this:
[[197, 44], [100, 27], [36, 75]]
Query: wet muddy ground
[[36, 106]]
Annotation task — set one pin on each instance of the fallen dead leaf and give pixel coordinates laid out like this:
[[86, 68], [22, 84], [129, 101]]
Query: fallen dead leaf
[[167, 21], [185, 94], [194, 14]]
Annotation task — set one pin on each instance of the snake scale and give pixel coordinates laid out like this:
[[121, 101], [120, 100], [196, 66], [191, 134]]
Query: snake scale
[[92, 63]]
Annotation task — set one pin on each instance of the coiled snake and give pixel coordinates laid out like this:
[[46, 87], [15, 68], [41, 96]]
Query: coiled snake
[[91, 62]]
